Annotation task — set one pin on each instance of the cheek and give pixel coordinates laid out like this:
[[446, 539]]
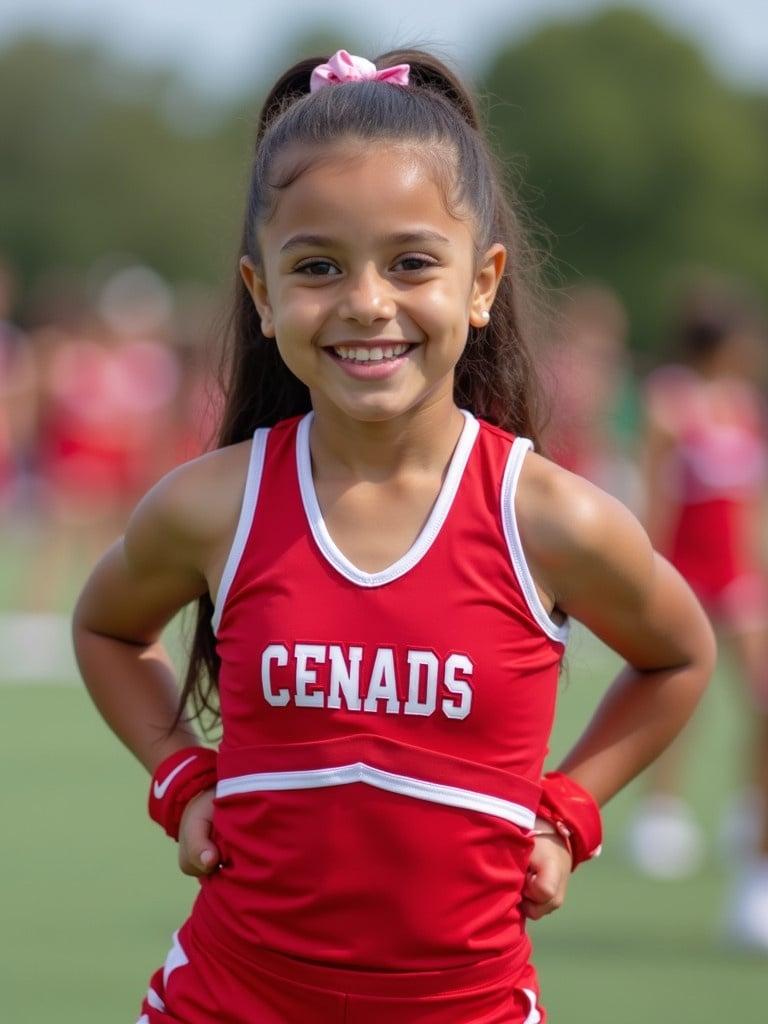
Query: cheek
[[444, 307], [301, 313]]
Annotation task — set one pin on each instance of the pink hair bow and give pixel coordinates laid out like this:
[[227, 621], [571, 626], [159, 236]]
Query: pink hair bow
[[343, 67]]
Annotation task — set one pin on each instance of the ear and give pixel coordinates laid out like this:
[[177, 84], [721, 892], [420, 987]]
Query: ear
[[254, 281], [490, 270]]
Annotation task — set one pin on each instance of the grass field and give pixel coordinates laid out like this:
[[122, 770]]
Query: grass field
[[91, 892]]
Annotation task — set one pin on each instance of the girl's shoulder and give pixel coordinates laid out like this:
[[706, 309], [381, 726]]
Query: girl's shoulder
[[552, 505], [195, 507], [596, 564], [571, 528]]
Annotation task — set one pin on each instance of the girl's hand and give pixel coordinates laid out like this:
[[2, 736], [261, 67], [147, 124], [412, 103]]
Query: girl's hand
[[548, 872], [198, 855]]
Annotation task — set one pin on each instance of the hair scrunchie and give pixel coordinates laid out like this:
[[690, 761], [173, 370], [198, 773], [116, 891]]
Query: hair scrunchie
[[575, 815], [176, 780], [345, 67]]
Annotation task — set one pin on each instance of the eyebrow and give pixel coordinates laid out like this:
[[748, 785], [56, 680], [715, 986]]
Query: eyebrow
[[400, 238]]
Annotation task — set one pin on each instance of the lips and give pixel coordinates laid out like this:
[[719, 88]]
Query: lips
[[371, 360]]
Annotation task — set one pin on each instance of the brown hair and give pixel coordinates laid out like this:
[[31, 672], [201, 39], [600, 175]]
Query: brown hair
[[494, 377]]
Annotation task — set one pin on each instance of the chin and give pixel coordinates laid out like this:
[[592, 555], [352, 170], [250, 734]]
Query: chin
[[378, 413], [376, 409], [376, 406]]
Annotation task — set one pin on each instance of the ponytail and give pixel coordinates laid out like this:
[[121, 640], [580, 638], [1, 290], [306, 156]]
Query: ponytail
[[427, 72]]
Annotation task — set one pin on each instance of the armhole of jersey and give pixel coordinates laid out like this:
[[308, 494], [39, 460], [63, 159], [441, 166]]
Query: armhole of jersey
[[247, 510], [556, 631]]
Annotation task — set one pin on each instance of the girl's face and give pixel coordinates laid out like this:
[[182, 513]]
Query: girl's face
[[369, 284]]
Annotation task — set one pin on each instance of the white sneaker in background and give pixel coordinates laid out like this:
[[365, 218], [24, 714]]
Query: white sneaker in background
[[664, 839], [746, 917]]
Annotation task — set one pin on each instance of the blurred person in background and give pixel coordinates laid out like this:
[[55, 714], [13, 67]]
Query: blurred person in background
[[199, 399], [108, 384], [706, 468], [106, 391], [586, 370]]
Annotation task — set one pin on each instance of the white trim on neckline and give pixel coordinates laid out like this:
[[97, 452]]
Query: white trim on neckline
[[556, 631], [429, 532], [247, 510]]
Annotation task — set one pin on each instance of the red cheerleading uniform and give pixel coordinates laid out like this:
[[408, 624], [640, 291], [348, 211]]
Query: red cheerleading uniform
[[384, 735], [714, 474], [107, 410]]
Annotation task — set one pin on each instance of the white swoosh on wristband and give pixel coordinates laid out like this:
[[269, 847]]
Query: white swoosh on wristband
[[161, 788]]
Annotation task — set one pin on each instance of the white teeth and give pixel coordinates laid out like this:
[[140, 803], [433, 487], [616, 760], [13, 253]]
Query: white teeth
[[369, 355]]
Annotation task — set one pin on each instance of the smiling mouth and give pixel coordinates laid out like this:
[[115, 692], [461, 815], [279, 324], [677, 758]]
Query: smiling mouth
[[369, 353]]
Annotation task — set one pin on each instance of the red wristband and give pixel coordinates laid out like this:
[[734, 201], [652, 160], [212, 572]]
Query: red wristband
[[574, 813], [176, 780]]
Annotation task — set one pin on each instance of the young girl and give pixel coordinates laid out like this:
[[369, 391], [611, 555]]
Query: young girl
[[385, 573]]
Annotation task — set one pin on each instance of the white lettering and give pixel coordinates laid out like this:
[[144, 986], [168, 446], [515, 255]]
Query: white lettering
[[306, 676], [383, 684], [458, 663], [345, 677], [344, 682], [418, 660], [279, 654]]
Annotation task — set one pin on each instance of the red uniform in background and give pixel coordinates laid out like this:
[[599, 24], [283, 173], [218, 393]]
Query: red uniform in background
[[714, 478], [108, 406], [383, 739]]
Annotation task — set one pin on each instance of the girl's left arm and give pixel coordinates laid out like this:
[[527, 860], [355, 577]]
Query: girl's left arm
[[592, 560]]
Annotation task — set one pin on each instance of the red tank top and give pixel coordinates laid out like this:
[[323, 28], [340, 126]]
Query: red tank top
[[383, 733]]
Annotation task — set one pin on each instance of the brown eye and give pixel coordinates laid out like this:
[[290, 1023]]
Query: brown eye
[[412, 263], [317, 268]]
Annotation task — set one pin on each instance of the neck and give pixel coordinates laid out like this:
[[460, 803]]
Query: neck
[[421, 439]]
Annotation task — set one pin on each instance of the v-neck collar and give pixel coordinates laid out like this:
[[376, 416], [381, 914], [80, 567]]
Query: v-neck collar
[[426, 537]]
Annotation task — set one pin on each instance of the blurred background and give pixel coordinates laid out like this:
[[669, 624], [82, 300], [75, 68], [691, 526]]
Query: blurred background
[[637, 140]]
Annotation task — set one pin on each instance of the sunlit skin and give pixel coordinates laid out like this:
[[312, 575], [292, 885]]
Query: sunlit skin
[[394, 266]]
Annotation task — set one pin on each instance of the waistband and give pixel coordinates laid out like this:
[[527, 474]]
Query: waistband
[[384, 763], [208, 932]]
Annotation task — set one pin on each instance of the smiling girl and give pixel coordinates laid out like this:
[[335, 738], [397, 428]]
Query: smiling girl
[[385, 573]]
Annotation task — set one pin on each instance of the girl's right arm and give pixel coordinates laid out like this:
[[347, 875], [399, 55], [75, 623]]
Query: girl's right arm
[[173, 545]]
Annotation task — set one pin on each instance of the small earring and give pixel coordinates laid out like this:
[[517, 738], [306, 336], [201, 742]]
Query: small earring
[[485, 315]]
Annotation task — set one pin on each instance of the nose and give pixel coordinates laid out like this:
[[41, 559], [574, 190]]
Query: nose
[[368, 297]]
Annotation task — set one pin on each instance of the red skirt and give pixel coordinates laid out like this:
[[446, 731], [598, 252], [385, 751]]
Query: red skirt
[[203, 982]]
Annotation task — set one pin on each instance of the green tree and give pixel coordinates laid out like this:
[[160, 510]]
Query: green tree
[[638, 157], [92, 161], [100, 157]]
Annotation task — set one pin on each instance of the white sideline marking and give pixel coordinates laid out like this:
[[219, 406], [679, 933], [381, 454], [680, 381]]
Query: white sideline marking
[[36, 648]]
